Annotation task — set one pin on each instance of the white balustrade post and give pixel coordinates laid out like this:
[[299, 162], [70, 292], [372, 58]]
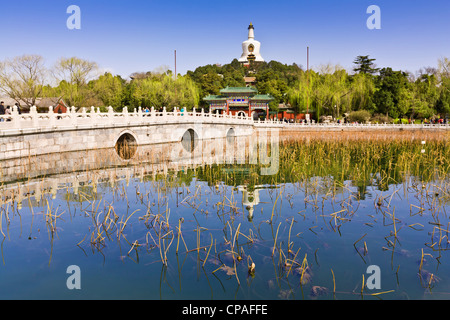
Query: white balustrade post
[[153, 114], [202, 113], [110, 115], [164, 113], [92, 115], [51, 116], [140, 116], [34, 117], [15, 117], [193, 112], [125, 114]]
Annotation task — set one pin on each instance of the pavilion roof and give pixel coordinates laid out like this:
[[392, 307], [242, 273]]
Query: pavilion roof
[[213, 97], [252, 93], [262, 97], [250, 90]]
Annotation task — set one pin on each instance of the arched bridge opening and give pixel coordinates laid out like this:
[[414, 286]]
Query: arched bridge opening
[[126, 146], [189, 140]]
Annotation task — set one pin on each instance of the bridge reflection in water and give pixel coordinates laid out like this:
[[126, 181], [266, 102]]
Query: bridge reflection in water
[[37, 176]]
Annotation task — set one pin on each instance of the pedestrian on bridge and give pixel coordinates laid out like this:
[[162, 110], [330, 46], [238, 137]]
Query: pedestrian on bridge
[[2, 110]]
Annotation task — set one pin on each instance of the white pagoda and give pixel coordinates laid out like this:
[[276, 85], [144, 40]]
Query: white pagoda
[[250, 48]]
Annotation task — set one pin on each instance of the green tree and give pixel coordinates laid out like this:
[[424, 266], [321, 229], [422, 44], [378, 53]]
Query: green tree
[[362, 116], [109, 89], [425, 97], [73, 75], [362, 88], [389, 84], [443, 102], [166, 92], [297, 95], [405, 101], [365, 65], [210, 83], [269, 82]]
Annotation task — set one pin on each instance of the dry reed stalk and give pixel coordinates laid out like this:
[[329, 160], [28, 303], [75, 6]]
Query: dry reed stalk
[[179, 234], [275, 203], [124, 224], [275, 240], [293, 261], [334, 282], [362, 286], [289, 237], [236, 236], [303, 268], [1, 224], [167, 249], [207, 254]]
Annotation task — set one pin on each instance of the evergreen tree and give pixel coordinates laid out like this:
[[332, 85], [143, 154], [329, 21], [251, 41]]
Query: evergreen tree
[[365, 65]]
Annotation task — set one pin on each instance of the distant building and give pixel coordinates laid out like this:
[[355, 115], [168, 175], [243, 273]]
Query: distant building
[[59, 106], [240, 101], [250, 48], [287, 113], [249, 81], [42, 104]]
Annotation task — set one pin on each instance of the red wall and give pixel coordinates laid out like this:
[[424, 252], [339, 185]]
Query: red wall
[[60, 106], [285, 115]]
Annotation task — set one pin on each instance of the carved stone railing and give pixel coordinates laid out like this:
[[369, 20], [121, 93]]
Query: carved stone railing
[[93, 118], [369, 125]]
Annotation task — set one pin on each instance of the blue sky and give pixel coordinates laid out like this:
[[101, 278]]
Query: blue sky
[[127, 36]]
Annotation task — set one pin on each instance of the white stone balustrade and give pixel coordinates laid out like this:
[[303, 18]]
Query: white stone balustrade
[[83, 119], [94, 118]]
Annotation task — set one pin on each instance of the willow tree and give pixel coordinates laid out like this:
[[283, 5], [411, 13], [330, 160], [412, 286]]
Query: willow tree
[[298, 95], [443, 103], [328, 91], [362, 89], [73, 75], [333, 92]]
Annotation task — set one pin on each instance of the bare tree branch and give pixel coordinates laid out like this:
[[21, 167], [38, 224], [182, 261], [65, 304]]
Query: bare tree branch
[[22, 78]]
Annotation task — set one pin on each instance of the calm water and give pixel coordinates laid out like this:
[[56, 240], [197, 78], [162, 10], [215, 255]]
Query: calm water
[[118, 220]]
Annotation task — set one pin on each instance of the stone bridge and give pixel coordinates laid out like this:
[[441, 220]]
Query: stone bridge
[[31, 134]]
